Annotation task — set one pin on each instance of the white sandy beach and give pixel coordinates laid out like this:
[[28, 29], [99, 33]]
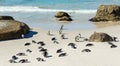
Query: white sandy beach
[[101, 54]]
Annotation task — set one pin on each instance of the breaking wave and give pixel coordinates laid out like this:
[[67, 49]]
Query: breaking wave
[[38, 9]]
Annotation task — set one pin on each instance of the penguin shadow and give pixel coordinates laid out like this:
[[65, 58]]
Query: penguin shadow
[[54, 40], [63, 36], [40, 59], [61, 53], [72, 45], [16, 59], [112, 45]]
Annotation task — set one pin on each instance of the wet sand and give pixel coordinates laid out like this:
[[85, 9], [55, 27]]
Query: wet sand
[[106, 24]]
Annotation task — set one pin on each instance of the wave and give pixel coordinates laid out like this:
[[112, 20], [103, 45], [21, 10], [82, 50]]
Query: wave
[[38, 9]]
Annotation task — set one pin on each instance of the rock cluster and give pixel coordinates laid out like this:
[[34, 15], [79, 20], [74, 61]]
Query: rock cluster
[[107, 13], [63, 16], [12, 29]]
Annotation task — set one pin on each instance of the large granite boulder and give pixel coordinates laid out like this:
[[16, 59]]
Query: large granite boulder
[[63, 16], [6, 18], [107, 13], [100, 37], [12, 29]]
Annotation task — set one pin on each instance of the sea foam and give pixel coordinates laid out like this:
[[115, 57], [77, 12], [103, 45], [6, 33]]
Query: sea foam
[[37, 9]]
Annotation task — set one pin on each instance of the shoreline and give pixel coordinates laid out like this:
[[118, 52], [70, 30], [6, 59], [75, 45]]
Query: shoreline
[[80, 20]]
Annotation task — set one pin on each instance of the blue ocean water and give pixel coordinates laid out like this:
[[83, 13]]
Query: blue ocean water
[[59, 4]]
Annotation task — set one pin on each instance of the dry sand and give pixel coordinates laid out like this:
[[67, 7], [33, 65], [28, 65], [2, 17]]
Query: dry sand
[[101, 54]]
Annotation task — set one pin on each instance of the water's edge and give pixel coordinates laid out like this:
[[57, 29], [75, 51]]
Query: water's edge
[[46, 20]]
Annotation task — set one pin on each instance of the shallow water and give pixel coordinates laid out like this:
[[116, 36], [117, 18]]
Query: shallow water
[[46, 20]]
